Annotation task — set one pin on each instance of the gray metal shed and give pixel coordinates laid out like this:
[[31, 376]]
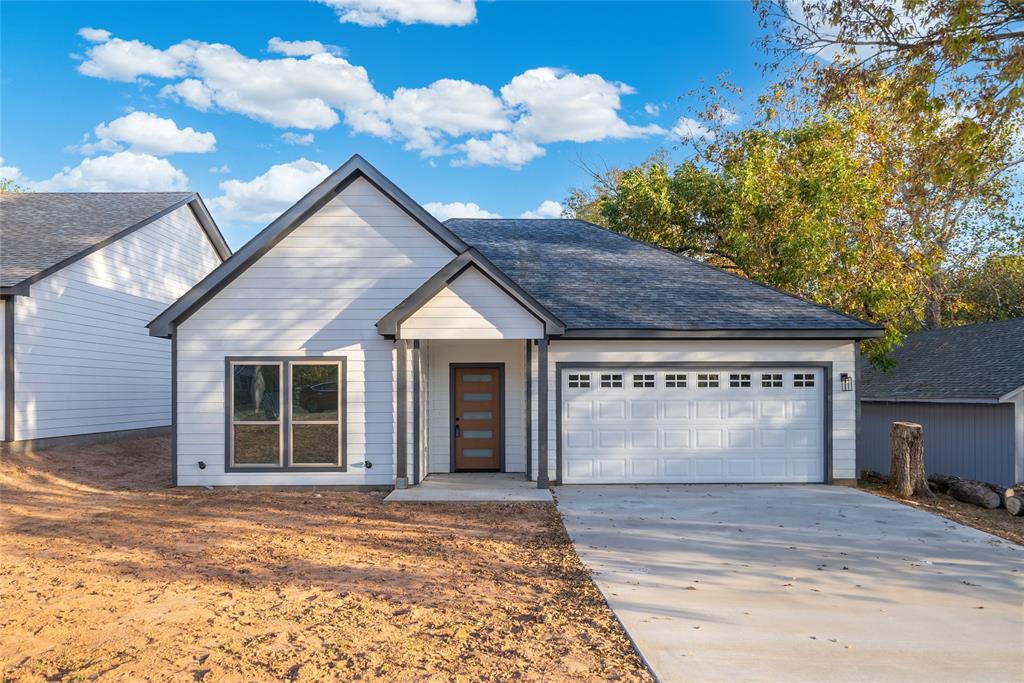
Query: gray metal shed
[[965, 386]]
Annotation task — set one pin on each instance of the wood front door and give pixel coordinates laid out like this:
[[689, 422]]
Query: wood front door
[[476, 427]]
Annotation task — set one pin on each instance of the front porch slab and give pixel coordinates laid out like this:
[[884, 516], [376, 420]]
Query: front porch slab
[[483, 487]]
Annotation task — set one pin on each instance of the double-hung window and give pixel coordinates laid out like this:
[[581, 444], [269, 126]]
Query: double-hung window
[[286, 414]]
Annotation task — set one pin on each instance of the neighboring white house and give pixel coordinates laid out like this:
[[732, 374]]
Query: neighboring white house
[[359, 341], [80, 276]]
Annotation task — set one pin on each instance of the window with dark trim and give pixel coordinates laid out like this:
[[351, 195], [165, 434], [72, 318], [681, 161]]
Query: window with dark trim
[[611, 381], [771, 380], [643, 381], [707, 380], [286, 414], [675, 381], [739, 380], [803, 380], [579, 381]]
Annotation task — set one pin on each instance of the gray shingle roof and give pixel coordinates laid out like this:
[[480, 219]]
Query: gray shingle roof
[[594, 278], [40, 229], [982, 361]]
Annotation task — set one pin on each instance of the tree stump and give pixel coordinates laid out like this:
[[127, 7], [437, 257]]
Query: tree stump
[[1013, 499], [906, 469]]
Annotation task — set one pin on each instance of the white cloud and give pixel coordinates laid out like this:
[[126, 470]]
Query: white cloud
[[446, 107], [285, 92], [566, 106], [126, 60], [290, 138], [443, 212], [12, 173], [193, 92], [94, 35], [549, 208], [652, 108], [149, 133], [266, 196], [381, 12], [691, 129], [223, 168], [727, 116], [120, 172], [499, 150], [316, 90], [299, 48]]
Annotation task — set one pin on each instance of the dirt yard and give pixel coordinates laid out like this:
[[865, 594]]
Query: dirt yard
[[996, 522], [107, 574]]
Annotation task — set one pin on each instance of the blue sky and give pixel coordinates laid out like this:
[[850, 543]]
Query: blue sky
[[494, 104]]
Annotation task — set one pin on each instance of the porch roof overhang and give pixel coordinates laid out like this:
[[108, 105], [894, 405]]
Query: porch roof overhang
[[391, 324]]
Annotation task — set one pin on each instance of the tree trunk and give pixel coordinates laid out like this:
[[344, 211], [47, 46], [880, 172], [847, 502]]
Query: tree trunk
[[941, 482], [1013, 500], [906, 469], [1015, 506], [975, 493]]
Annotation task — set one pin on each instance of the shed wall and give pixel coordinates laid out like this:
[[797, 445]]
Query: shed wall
[[972, 440]]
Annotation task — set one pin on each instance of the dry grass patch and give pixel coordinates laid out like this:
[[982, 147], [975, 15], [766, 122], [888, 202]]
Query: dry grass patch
[[106, 573]]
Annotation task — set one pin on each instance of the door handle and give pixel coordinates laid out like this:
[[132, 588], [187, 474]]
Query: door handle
[[458, 429]]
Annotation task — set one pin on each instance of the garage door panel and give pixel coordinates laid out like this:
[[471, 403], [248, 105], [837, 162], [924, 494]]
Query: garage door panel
[[709, 410], [675, 410], [693, 425], [643, 438], [611, 410], [611, 438], [708, 438], [579, 410], [643, 410]]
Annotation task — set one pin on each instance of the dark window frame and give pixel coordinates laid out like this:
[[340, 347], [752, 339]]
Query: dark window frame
[[611, 380], [579, 380], [285, 417], [711, 380], [803, 380], [644, 380], [676, 380], [739, 380]]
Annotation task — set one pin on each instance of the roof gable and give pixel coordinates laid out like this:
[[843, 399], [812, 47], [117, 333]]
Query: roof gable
[[981, 362], [602, 283], [470, 261], [43, 232], [353, 169]]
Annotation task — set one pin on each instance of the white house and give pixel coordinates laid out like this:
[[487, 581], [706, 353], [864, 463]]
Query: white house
[[358, 341], [80, 276]]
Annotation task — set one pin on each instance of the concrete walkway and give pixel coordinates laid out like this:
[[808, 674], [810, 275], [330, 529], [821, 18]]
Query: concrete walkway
[[472, 487], [799, 583]]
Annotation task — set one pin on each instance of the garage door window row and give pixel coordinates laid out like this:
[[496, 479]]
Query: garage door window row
[[680, 380]]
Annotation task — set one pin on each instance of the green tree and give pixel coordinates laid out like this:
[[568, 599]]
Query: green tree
[[805, 209], [992, 290], [945, 80]]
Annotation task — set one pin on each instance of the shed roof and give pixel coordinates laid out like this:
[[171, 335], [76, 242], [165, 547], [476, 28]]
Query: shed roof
[[976, 362]]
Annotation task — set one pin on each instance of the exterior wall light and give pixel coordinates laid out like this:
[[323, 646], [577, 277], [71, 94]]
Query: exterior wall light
[[846, 380]]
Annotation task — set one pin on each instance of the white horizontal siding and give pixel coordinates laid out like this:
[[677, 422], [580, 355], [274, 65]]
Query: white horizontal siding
[[441, 354], [3, 372], [84, 359], [840, 353], [318, 292], [472, 307]]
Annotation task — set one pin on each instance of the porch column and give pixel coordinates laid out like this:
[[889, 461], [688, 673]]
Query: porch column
[[542, 412], [402, 414]]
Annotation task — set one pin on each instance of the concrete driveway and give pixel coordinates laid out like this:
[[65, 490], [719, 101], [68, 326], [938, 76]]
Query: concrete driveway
[[799, 583]]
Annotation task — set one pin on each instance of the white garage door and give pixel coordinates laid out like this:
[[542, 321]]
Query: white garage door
[[692, 425]]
